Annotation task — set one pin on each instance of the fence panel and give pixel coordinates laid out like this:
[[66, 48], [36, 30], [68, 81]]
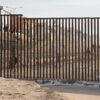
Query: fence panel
[[49, 48]]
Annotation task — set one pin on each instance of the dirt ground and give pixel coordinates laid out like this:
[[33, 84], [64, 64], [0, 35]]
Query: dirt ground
[[14, 89], [77, 92]]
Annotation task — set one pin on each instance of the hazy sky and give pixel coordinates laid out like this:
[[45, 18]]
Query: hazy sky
[[55, 8]]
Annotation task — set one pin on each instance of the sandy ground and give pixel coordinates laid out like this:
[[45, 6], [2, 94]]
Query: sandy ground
[[14, 89]]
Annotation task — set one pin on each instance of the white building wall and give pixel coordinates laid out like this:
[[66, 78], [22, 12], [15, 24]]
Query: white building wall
[[5, 11]]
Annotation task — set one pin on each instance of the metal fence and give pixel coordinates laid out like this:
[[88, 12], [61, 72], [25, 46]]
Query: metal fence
[[49, 48]]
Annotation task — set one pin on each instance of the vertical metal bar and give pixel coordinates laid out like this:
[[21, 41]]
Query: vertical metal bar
[[14, 42], [75, 49], [19, 53], [21, 46], [53, 48], [82, 44], [98, 49], [69, 47], [95, 49], [4, 47], [91, 50], [66, 47], [45, 21], [34, 47], [72, 53], [50, 46], [17, 50], [24, 26], [27, 47], [88, 50], [46, 48], [1, 44], [10, 43], [43, 49], [31, 48], [7, 44], [85, 50], [37, 48], [56, 47], [59, 52], [40, 45], [63, 48], [78, 49]]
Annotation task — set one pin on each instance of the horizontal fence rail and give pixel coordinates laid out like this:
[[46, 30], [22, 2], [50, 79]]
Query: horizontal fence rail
[[50, 48]]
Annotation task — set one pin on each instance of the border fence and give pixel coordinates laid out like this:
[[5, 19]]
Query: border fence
[[50, 48]]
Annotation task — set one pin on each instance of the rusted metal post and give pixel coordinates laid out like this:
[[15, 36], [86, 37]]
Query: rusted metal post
[[13, 59]]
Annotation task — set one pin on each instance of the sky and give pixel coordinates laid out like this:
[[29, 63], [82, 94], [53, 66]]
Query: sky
[[55, 8]]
